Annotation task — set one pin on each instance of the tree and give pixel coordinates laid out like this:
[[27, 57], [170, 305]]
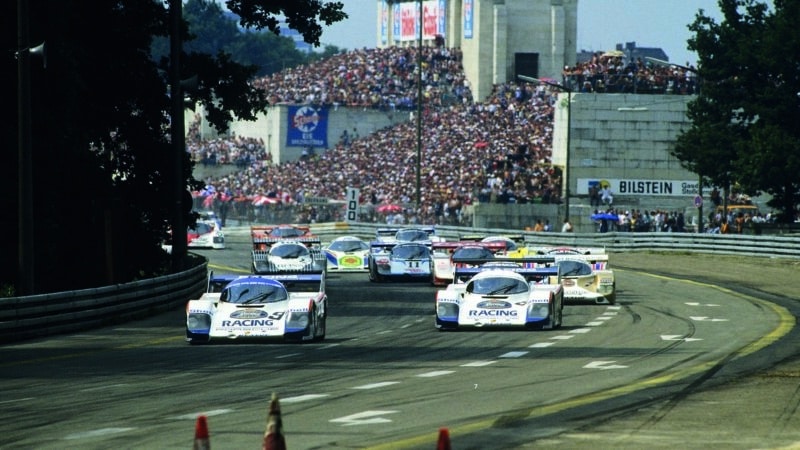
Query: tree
[[100, 141], [744, 121]]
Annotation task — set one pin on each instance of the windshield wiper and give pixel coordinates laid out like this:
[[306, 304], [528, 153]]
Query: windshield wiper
[[257, 299]]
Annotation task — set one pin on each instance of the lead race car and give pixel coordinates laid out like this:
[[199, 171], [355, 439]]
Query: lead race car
[[502, 293], [253, 307]]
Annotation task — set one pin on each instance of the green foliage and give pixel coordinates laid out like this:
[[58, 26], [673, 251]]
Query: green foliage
[[103, 164], [744, 121]]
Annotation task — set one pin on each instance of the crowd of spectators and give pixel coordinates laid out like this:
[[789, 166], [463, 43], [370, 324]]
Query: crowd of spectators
[[495, 150], [612, 74]]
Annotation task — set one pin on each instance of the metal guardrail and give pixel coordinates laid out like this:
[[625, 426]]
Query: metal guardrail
[[34, 316], [47, 314], [734, 244]]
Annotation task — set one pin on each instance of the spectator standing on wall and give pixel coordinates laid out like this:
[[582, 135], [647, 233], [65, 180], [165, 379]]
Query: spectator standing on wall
[[548, 226], [567, 227], [594, 195], [606, 196]]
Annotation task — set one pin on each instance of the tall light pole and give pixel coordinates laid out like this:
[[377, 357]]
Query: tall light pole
[[26, 267], [565, 187], [179, 244], [419, 108], [699, 173]]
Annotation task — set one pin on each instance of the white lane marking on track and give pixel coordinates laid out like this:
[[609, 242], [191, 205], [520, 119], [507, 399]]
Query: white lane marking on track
[[513, 354], [563, 337], [213, 412], [604, 318], [707, 319], [98, 432], [327, 346], [678, 337], [541, 344], [376, 385], [610, 313], [580, 330], [478, 364], [302, 398], [288, 355], [603, 365], [594, 324], [435, 373], [364, 418], [613, 307]]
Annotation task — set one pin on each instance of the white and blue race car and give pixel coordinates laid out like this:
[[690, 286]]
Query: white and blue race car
[[347, 254], [409, 261], [253, 307], [502, 294]]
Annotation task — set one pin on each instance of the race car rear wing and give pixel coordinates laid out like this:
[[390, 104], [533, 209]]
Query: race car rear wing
[[293, 282], [534, 269], [597, 261], [263, 243], [518, 238], [451, 246]]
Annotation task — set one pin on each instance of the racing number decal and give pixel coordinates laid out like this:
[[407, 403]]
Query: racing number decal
[[412, 264], [352, 204]]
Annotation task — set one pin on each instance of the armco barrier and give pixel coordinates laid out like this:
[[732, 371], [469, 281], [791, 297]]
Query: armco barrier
[[47, 314], [735, 244]]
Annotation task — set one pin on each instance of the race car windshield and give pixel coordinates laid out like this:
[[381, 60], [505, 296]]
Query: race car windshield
[[253, 293], [510, 245], [289, 251], [201, 228], [348, 246], [473, 253], [496, 286], [410, 252], [286, 232], [574, 268], [412, 236]]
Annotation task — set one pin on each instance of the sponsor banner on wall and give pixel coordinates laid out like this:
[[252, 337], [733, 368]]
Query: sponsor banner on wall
[[308, 126], [407, 20], [384, 22], [632, 187], [468, 18]]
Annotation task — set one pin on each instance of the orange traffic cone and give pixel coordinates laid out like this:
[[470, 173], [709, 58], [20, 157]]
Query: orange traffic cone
[[444, 440], [201, 434], [273, 436]]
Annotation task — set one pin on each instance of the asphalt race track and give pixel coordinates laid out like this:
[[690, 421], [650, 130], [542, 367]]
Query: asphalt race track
[[688, 358]]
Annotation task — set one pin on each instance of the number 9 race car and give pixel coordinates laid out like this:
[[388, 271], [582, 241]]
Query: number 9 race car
[[253, 307]]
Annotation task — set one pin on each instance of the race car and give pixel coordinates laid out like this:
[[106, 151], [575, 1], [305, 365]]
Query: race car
[[288, 257], [446, 256], [252, 307], [347, 254], [502, 294], [205, 234], [587, 277], [410, 260]]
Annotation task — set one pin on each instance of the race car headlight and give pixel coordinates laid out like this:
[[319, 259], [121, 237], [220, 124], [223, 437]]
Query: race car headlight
[[297, 320], [538, 310], [447, 310], [198, 321]]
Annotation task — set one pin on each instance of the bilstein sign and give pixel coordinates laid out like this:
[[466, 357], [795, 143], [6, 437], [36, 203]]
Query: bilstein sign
[[625, 186]]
